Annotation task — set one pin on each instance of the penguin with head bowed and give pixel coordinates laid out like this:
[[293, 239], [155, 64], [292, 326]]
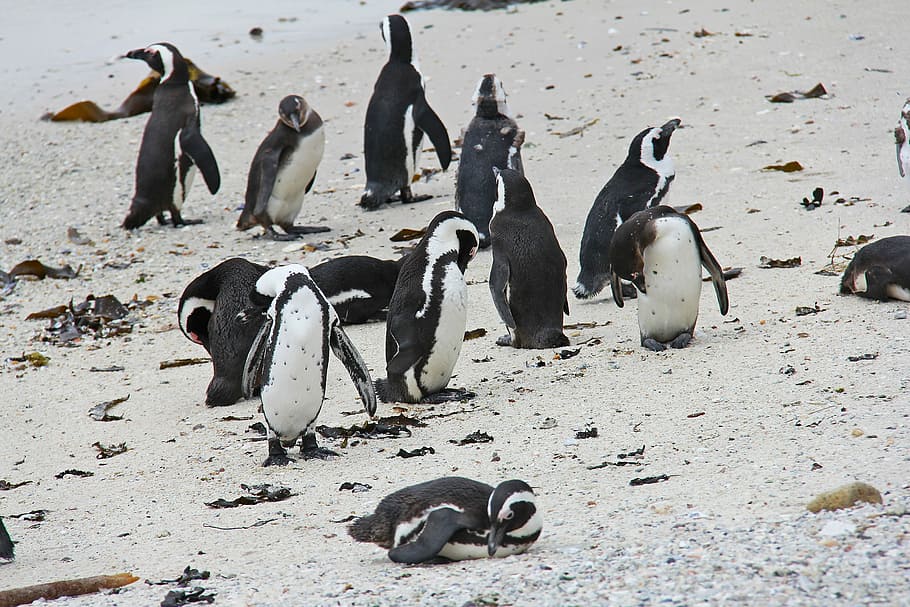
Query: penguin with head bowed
[[172, 144], [902, 139], [209, 314], [427, 314], [661, 251], [491, 140], [397, 117], [528, 276], [639, 183], [880, 270], [289, 360], [283, 171], [452, 519]]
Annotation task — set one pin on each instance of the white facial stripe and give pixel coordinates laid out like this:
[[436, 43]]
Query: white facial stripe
[[443, 240], [534, 525], [859, 283], [387, 34], [513, 153], [346, 296], [500, 195], [501, 104], [191, 304], [167, 59], [476, 96], [523, 496]]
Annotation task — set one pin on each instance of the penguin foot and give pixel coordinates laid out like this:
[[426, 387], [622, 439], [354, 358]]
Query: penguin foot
[[180, 221], [302, 230], [653, 344], [447, 395], [504, 340], [277, 460], [317, 453], [682, 340]]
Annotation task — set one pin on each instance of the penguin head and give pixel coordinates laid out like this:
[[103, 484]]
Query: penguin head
[[512, 511], [490, 97], [397, 36], [650, 147], [452, 231], [272, 282], [513, 191], [193, 314], [165, 59], [294, 111]]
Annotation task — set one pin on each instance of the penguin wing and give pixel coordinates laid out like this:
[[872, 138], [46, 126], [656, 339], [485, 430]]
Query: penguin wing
[[193, 145], [499, 285], [439, 527], [255, 359], [309, 186], [403, 347], [710, 263], [360, 374], [900, 138], [616, 287], [268, 173], [428, 122]]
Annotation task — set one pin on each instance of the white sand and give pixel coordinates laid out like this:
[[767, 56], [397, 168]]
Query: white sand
[[729, 527]]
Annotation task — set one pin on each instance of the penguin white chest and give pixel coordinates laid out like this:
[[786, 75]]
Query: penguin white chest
[[292, 398], [294, 176], [672, 272], [449, 335]]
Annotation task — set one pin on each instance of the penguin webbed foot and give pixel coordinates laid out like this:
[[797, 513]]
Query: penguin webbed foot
[[447, 395], [271, 234], [178, 220], [310, 450], [162, 220], [681, 341], [277, 454], [303, 230], [504, 340], [652, 344]]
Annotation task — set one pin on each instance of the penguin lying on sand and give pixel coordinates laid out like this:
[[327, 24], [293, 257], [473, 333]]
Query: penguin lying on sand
[[163, 177], [661, 252], [453, 518], [880, 270]]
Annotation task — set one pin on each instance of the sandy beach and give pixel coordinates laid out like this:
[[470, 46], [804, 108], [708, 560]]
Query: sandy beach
[[762, 412]]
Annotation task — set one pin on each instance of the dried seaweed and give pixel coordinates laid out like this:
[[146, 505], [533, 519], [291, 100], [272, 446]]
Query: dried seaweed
[[401, 420], [74, 472], [817, 195], [649, 480], [189, 574], [354, 487], [99, 411], [100, 317], [566, 354], [767, 262], [34, 267], [790, 96], [418, 452], [589, 432], [182, 362], [257, 494], [366, 430], [473, 438], [637, 453], [464, 5], [175, 598], [406, 234], [73, 235], [32, 515], [854, 359], [579, 130], [788, 167], [807, 310], [110, 450], [7, 486], [474, 334]]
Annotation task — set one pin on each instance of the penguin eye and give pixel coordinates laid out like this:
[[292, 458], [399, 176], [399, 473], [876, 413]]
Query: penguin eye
[[510, 515]]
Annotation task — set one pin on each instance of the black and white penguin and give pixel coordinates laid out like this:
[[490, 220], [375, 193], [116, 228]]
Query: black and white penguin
[[661, 252], [880, 270], [283, 170], [492, 140], [640, 182], [427, 314], [528, 277], [902, 139], [172, 143], [397, 118], [209, 315], [289, 360], [453, 518], [6, 544], [359, 287]]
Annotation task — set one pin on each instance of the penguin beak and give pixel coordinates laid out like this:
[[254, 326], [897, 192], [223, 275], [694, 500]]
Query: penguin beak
[[667, 129], [138, 53], [295, 122], [497, 533]]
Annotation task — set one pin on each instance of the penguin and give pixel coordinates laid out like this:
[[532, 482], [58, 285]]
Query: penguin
[[359, 287], [172, 143], [528, 276], [661, 252], [427, 314], [209, 314], [880, 270], [397, 117], [289, 360], [6, 544], [283, 171], [640, 182], [452, 518], [902, 139], [492, 139]]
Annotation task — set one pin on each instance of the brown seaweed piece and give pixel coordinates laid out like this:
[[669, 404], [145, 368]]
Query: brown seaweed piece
[[208, 88], [33, 267], [55, 590], [463, 5]]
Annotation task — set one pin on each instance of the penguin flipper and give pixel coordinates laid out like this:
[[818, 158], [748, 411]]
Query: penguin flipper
[[193, 145], [309, 186], [439, 527], [268, 173], [408, 351], [428, 122], [616, 287], [353, 362], [499, 284], [255, 359], [6, 543], [710, 263]]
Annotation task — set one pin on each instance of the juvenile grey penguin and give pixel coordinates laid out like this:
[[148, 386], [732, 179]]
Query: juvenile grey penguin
[[397, 118], [492, 140], [427, 314], [289, 360], [640, 182], [359, 287], [528, 276], [172, 144], [453, 518], [283, 171], [902, 139], [880, 270], [661, 252], [6, 543], [209, 314]]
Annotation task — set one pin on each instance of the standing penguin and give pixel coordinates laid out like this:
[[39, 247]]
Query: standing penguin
[[661, 252], [452, 518], [172, 143], [209, 315], [528, 277], [397, 117], [289, 360], [6, 544], [359, 287], [492, 140], [880, 270], [640, 182], [902, 139], [428, 311], [283, 170]]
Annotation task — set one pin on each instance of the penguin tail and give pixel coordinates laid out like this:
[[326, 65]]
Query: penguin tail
[[582, 291], [383, 390]]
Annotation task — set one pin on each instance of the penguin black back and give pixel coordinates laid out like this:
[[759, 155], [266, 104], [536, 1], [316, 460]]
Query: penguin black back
[[359, 287], [880, 270]]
